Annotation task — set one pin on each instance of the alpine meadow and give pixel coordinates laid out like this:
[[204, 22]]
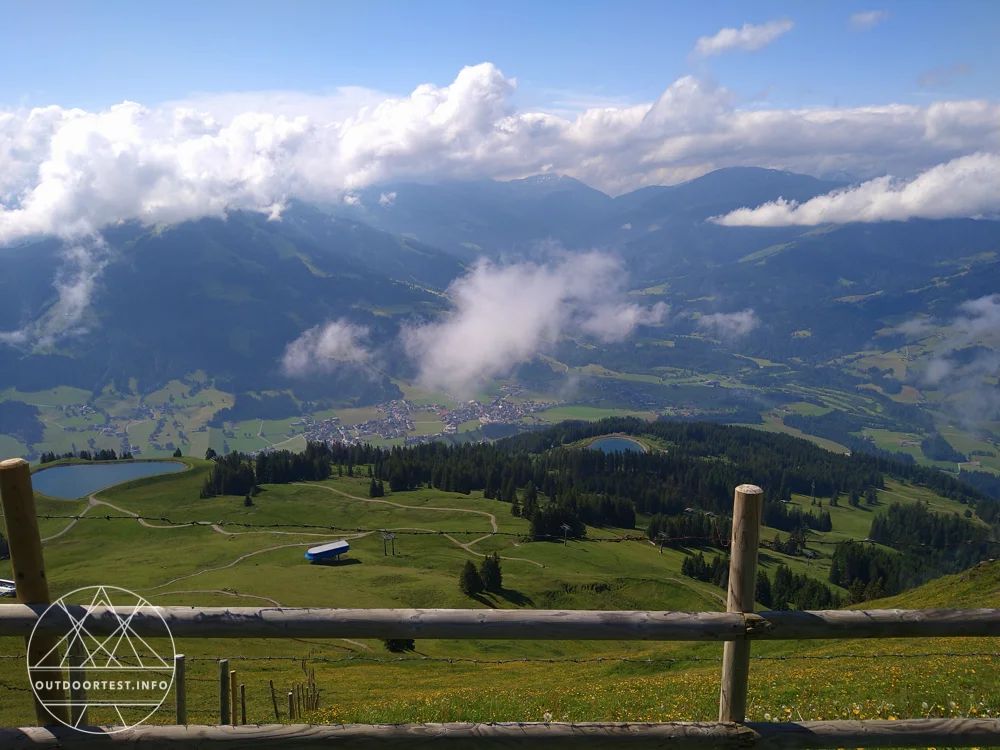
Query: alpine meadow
[[434, 373]]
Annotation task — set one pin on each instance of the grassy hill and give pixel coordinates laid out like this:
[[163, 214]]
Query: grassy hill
[[360, 681]]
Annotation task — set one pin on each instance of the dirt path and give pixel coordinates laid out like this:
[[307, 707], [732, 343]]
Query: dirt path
[[91, 502], [238, 560], [223, 592], [493, 519], [464, 545]]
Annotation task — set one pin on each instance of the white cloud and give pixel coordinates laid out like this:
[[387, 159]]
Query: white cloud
[[868, 19], [352, 199], [749, 38], [387, 199], [505, 315], [70, 172], [966, 383], [75, 283], [616, 321], [729, 325], [322, 348], [967, 187]]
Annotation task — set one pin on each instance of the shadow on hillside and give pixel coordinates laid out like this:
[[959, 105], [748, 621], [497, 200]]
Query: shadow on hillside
[[336, 563], [517, 598], [763, 558]]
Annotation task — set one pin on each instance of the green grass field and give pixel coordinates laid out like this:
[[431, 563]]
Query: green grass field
[[773, 423], [264, 567], [589, 413], [53, 397]]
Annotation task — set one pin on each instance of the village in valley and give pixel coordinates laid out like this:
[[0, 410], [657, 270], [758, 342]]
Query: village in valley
[[395, 420]]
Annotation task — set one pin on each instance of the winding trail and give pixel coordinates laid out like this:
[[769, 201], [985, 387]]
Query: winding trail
[[240, 559], [464, 545], [223, 592], [493, 519], [92, 502]]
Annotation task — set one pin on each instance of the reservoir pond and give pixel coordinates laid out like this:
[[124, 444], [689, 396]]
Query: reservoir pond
[[617, 445], [80, 480]]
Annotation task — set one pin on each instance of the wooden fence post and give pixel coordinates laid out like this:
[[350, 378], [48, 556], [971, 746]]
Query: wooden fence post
[[224, 691], [274, 702], [75, 658], [243, 704], [180, 690], [233, 697], [25, 547], [747, 508], [291, 706]]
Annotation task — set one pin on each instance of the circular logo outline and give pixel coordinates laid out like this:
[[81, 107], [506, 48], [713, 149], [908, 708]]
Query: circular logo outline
[[76, 626]]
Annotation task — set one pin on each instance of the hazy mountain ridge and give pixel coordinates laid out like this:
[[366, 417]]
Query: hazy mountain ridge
[[226, 297]]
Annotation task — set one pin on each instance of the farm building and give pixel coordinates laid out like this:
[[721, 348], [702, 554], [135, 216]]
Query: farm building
[[331, 550]]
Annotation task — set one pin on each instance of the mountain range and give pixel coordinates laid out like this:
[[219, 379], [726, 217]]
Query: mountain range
[[227, 296]]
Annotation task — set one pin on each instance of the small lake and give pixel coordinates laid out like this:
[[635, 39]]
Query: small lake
[[617, 445], [80, 480]]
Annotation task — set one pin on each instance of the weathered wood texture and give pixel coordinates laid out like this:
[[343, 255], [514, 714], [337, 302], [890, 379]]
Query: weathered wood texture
[[747, 508], [224, 691], [25, 547], [250, 622], [875, 623], [687, 736], [76, 656], [276, 622], [180, 690], [233, 697]]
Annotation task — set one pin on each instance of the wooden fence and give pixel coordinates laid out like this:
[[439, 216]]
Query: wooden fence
[[736, 628]]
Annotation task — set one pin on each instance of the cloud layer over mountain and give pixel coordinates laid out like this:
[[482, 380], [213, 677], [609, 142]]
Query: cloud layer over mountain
[[505, 315], [322, 348], [69, 172], [966, 382], [967, 187]]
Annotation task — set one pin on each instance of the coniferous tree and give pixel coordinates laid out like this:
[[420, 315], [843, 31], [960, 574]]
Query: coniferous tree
[[762, 592], [399, 645], [490, 573], [469, 580]]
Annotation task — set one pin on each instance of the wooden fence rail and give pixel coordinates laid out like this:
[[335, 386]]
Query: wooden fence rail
[[737, 629], [499, 624], [577, 736]]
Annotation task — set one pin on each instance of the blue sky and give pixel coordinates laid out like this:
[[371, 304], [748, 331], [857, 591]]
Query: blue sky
[[242, 106], [563, 54]]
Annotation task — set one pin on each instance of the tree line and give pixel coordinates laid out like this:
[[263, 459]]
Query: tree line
[[104, 454]]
